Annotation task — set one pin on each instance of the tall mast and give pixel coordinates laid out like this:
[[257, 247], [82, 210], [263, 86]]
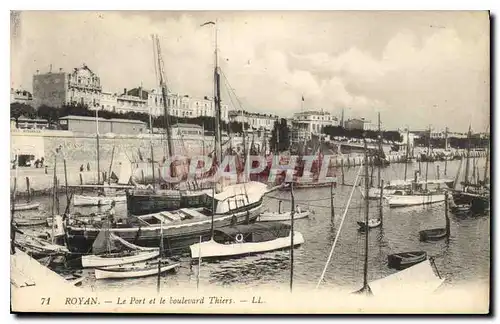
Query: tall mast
[[407, 149], [97, 144], [217, 101], [379, 149], [446, 139], [467, 161], [428, 157], [485, 178], [164, 94], [367, 205]]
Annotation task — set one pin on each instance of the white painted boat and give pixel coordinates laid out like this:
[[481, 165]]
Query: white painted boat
[[400, 199], [372, 223], [246, 239], [26, 206], [395, 185], [114, 259], [135, 270], [286, 216], [84, 200]]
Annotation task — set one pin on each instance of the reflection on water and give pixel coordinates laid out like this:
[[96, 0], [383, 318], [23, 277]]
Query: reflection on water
[[465, 256]]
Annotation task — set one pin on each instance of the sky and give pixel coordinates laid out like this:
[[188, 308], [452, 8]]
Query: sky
[[417, 69]]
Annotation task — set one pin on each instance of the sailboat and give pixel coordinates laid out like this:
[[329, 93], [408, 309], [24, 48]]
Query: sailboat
[[150, 200], [419, 194], [374, 222], [474, 195], [109, 250]]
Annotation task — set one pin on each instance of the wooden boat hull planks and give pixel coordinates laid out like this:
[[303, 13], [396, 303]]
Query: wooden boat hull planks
[[143, 269], [92, 261], [432, 234], [403, 260]]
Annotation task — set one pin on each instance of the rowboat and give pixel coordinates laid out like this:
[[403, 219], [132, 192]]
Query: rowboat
[[285, 216], [24, 222], [26, 206], [434, 234], [114, 259], [403, 260], [245, 240], [84, 200], [374, 222], [135, 270]]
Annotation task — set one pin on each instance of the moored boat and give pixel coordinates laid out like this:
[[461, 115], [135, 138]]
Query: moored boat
[[111, 259], [434, 234], [372, 223], [135, 270], [26, 206], [402, 199], [84, 200], [244, 240], [284, 216], [403, 260], [24, 222]]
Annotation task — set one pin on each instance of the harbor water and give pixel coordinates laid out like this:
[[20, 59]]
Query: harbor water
[[465, 257]]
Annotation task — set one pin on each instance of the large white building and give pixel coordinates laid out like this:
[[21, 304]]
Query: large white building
[[254, 120], [307, 123], [359, 123], [21, 96]]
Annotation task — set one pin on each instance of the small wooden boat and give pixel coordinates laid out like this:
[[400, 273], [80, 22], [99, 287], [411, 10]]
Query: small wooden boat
[[113, 259], [403, 199], [403, 260], [24, 222], [135, 270], [84, 200], [285, 216], [26, 206], [246, 239], [374, 222], [434, 234]]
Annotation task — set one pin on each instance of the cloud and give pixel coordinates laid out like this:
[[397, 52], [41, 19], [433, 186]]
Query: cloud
[[400, 65]]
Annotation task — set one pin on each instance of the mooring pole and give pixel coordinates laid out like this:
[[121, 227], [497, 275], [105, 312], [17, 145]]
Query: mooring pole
[[342, 170], [381, 201], [332, 210]]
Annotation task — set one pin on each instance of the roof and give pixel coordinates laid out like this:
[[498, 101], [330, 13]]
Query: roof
[[73, 117], [253, 228], [312, 112], [184, 125]]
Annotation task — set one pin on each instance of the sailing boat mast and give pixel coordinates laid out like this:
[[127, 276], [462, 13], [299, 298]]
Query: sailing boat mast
[[366, 288], [164, 94], [467, 161], [407, 150], [428, 157], [485, 178], [217, 102], [97, 144], [379, 149]]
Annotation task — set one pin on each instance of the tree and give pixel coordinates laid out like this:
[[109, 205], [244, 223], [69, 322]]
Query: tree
[[280, 127], [18, 110]]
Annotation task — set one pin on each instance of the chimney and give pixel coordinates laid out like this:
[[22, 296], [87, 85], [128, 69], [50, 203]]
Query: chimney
[[124, 91], [60, 69]]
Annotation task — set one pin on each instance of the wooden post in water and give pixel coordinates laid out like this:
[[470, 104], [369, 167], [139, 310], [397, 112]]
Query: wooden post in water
[[28, 188], [142, 175], [342, 169], [446, 214], [292, 234], [437, 172], [199, 266], [332, 210], [381, 200]]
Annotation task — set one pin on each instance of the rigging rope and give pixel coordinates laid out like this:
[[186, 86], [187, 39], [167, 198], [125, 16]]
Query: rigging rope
[[340, 228]]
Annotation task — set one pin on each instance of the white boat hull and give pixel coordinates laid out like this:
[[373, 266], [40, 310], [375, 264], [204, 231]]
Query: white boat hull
[[26, 206], [374, 193], [82, 200], [211, 248], [104, 273], [413, 200], [286, 216], [94, 261]]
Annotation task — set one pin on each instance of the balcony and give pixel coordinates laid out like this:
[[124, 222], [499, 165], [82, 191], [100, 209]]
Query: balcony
[[73, 84]]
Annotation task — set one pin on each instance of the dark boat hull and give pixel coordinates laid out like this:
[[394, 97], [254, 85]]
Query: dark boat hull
[[142, 203], [176, 238], [435, 234], [400, 261]]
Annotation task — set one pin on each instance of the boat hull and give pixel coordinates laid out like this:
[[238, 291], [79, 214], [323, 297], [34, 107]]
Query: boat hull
[[176, 237], [212, 249], [143, 202], [435, 234], [400, 261], [83, 200], [93, 261], [287, 216], [110, 273], [27, 206], [413, 200]]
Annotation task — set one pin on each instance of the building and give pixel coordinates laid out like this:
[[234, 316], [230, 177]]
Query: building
[[254, 120], [84, 124], [29, 123], [186, 130], [307, 123], [21, 96], [184, 105], [359, 123], [81, 86]]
